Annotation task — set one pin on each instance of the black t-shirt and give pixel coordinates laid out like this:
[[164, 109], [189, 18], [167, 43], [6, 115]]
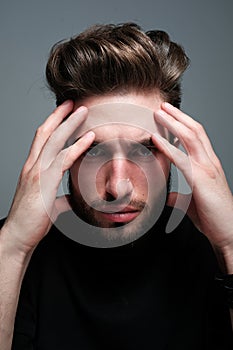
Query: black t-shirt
[[155, 293]]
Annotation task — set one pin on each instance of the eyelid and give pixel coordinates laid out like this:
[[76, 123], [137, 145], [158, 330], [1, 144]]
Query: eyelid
[[101, 151]]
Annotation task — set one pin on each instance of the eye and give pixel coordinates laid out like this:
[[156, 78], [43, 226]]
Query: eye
[[94, 152], [141, 151]]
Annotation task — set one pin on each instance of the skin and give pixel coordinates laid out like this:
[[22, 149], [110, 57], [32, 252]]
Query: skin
[[124, 190], [211, 206], [31, 215]]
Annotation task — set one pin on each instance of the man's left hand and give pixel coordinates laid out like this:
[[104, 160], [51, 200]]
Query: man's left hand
[[211, 206]]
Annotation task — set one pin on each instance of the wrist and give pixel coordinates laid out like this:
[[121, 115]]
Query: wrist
[[9, 251], [225, 258]]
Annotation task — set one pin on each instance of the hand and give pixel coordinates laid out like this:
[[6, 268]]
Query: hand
[[35, 206], [211, 206]]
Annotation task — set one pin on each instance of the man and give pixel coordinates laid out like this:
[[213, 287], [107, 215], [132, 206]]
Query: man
[[150, 290]]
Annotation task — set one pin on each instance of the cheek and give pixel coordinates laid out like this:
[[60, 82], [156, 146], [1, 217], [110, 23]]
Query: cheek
[[158, 167], [78, 178], [163, 165], [157, 174], [146, 177], [85, 179]]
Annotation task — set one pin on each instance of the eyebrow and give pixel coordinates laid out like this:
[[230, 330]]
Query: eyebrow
[[147, 142]]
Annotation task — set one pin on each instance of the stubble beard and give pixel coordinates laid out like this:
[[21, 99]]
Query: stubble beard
[[119, 233]]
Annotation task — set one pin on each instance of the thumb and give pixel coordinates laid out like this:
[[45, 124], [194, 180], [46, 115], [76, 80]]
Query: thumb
[[186, 203], [179, 200], [62, 204]]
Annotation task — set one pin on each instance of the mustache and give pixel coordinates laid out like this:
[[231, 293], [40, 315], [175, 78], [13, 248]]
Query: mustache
[[118, 205]]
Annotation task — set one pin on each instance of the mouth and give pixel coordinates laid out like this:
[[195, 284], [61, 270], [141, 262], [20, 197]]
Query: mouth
[[119, 215]]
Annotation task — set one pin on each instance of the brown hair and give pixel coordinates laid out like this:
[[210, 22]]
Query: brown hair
[[116, 59]]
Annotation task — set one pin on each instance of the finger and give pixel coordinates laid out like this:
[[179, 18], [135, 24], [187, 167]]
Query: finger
[[179, 115], [66, 158], [178, 200], [185, 203], [51, 178], [175, 155], [62, 204], [190, 141], [45, 130], [60, 136], [191, 124]]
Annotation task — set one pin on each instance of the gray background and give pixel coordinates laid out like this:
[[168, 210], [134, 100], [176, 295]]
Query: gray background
[[28, 28]]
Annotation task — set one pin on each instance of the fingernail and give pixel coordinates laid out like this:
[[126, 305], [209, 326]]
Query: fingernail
[[160, 113], [81, 109], [168, 105], [89, 135], [66, 102], [80, 112]]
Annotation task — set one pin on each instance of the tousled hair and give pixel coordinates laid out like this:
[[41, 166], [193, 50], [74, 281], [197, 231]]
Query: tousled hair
[[110, 58]]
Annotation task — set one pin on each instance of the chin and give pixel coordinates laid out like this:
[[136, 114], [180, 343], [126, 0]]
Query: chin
[[116, 233]]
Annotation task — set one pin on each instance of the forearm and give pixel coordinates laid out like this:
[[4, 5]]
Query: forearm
[[12, 269]]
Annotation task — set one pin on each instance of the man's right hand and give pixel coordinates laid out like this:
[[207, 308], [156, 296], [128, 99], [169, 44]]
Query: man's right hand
[[35, 206]]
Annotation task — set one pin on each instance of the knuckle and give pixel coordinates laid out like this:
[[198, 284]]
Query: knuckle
[[189, 136], [62, 155], [28, 177], [25, 169], [212, 173], [68, 157], [32, 176], [60, 159], [218, 164], [39, 131], [42, 130], [35, 178], [198, 128]]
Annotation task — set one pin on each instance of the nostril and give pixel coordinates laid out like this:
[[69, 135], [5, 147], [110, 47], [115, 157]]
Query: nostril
[[110, 197], [118, 189]]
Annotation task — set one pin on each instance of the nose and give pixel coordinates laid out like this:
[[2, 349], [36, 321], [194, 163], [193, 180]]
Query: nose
[[118, 179]]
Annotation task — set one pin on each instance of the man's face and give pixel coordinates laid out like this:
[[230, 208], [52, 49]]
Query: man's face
[[121, 180]]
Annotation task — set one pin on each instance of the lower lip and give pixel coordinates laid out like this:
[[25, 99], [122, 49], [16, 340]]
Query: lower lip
[[120, 217]]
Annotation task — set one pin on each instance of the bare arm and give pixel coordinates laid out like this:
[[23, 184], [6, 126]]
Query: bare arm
[[35, 206], [211, 204], [12, 269]]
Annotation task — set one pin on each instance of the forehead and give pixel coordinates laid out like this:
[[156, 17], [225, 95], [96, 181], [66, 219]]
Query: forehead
[[120, 120], [120, 131]]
